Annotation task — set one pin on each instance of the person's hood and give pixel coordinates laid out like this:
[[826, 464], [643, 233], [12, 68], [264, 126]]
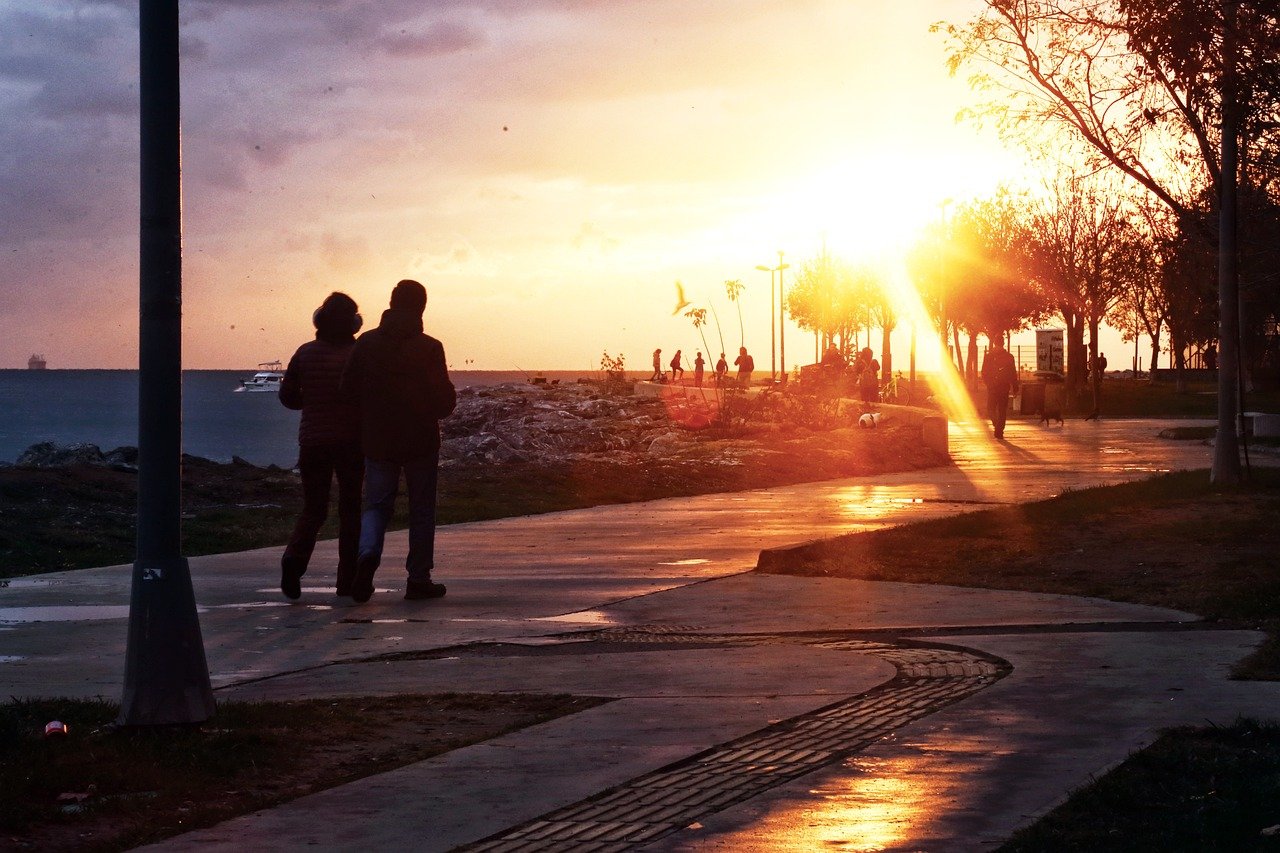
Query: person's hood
[[400, 324]]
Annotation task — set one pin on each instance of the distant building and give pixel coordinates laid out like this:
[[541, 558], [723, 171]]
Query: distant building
[[37, 362]]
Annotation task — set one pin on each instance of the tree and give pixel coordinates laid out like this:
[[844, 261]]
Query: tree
[[1085, 256], [733, 288], [1165, 91], [827, 297], [973, 273]]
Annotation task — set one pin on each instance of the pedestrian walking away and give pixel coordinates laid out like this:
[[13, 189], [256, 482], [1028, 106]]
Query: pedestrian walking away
[[699, 368], [328, 443], [1001, 377], [657, 366], [868, 377], [746, 366], [722, 370], [398, 378], [676, 366]]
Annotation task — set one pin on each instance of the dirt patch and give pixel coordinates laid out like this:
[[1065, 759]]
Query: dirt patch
[[101, 788]]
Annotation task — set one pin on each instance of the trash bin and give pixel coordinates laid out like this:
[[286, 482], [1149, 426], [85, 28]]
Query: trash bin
[[1031, 398]]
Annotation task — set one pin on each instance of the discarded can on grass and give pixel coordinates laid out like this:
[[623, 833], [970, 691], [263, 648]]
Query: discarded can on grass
[[55, 729]]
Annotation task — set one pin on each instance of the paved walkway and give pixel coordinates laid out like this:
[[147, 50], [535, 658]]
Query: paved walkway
[[751, 712]]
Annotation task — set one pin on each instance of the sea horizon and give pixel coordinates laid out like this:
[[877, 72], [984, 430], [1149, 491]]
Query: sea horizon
[[100, 406]]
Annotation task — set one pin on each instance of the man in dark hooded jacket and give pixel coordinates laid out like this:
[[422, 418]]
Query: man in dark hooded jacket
[[398, 379]]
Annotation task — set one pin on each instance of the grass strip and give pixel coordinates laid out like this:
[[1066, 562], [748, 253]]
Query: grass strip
[[1171, 541], [102, 788], [1203, 789]]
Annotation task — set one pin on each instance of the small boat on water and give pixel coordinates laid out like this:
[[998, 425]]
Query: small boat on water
[[37, 362], [268, 378]]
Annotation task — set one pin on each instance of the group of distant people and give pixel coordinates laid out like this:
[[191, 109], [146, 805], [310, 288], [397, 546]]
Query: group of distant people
[[371, 410], [744, 362]]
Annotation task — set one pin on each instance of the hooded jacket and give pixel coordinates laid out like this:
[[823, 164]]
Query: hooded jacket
[[398, 379]]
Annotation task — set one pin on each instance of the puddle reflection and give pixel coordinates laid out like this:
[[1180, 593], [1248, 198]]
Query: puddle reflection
[[64, 613], [877, 808], [582, 617]]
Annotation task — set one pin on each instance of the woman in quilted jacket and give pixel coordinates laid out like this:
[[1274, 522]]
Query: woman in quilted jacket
[[328, 443]]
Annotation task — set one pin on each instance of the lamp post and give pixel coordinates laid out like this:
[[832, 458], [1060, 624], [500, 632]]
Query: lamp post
[[166, 678], [773, 365], [781, 317], [782, 320], [942, 288]]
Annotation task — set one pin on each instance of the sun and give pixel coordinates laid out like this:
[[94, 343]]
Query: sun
[[869, 210]]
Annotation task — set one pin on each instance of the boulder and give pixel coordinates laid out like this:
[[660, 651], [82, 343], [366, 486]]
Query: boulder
[[47, 454]]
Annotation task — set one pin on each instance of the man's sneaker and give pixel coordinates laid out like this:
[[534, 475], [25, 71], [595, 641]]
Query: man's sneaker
[[362, 584], [291, 572], [415, 591]]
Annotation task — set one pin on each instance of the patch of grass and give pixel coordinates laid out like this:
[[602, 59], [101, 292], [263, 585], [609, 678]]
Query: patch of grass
[[1213, 789], [105, 788], [1172, 541]]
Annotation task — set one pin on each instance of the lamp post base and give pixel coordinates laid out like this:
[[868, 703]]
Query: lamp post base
[[166, 678]]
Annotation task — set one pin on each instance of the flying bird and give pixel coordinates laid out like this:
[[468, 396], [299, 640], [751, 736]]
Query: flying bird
[[681, 302]]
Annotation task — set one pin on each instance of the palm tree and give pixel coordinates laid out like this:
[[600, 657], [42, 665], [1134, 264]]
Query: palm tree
[[734, 287], [699, 318]]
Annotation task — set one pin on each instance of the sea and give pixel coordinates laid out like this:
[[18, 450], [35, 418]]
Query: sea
[[218, 421]]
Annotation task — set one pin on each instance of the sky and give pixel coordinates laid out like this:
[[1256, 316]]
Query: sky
[[547, 168]]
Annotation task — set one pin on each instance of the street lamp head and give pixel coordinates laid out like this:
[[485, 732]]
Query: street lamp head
[[764, 268], [784, 266]]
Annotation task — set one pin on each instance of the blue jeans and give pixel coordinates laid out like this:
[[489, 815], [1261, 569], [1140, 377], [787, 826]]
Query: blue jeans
[[381, 482]]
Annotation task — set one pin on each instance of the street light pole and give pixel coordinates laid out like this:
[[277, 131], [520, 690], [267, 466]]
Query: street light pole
[[166, 678], [778, 317], [782, 317], [773, 365]]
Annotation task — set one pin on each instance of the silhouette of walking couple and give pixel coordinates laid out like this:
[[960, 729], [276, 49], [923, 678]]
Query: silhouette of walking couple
[[371, 410]]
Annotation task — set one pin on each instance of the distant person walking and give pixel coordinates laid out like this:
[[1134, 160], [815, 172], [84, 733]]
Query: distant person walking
[[1211, 357], [328, 443], [746, 366], [1001, 377], [675, 367], [722, 370], [868, 377], [398, 378], [699, 368], [657, 366]]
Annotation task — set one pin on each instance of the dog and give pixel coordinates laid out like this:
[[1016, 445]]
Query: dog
[[1048, 414]]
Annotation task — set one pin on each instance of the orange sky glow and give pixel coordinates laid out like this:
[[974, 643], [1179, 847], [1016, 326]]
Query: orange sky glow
[[547, 169]]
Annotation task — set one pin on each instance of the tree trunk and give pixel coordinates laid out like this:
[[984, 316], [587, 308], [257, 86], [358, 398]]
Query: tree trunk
[[1155, 352], [886, 353], [1226, 448], [1095, 375], [1076, 358], [959, 356], [1179, 366]]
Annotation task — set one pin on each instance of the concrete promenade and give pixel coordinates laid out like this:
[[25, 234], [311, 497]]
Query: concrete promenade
[[752, 712]]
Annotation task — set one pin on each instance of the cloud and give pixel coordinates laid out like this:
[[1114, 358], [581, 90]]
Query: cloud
[[437, 38]]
